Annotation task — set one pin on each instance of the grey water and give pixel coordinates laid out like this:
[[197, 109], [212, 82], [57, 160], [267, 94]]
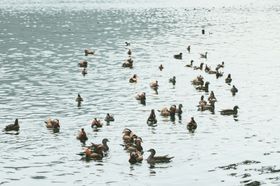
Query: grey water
[[42, 42]]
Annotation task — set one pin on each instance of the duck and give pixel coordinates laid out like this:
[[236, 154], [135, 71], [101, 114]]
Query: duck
[[96, 123], [210, 107], [179, 109], [230, 111], [228, 79], [191, 126], [141, 97], [89, 52], [203, 55], [198, 80], [79, 99], [207, 69], [152, 159], [127, 43], [219, 74], [129, 52], [127, 135], [12, 127], [82, 136], [178, 56], [152, 118], [204, 88], [172, 80], [154, 85], [202, 102], [97, 154], [52, 123], [233, 90], [83, 63], [199, 68], [212, 97], [164, 112], [161, 67], [135, 145], [104, 146], [133, 79], [190, 65], [135, 157], [84, 71], [220, 65], [109, 118], [128, 63], [189, 48]]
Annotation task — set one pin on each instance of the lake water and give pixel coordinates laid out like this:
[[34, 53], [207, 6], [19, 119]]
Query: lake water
[[41, 43]]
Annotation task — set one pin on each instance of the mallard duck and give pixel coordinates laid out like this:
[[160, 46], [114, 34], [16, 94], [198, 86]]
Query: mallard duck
[[129, 52], [96, 123], [189, 48], [83, 63], [128, 63], [152, 159], [178, 56], [82, 136], [199, 68], [104, 146], [172, 80], [160, 67], [204, 88], [230, 111], [109, 118], [190, 65], [89, 52], [233, 90], [135, 157], [133, 79], [203, 55], [191, 126], [228, 79], [12, 127]]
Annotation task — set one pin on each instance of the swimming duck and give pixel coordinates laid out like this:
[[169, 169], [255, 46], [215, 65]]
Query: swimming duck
[[190, 65], [83, 63], [79, 99], [89, 52], [84, 71], [129, 52], [152, 159], [160, 67], [189, 48], [202, 102], [12, 127], [230, 111], [164, 112], [191, 126], [179, 109], [198, 80], [178, 56], [228, 79], [199, 68], [97, 154], [154, 85], [52, 123], [133, 79], [172, 80], [207, 69], [210, 107], [96, 123], [127, 43], [233, 90], [203, 55], [141, 97], [220, 66], [128, 63], [212, 97], [109, 118], [219, 74], [135, 157], [152, 118], [104, 146], [135, 145], [127, 135], [204, 88], [82, 136]]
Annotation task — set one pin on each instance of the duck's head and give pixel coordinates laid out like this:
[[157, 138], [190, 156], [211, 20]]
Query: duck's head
[[126, 131], [105, 140], [202, 97], [235, 107], [207, 83], [180, 105], [152, 151], [16, 122]]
